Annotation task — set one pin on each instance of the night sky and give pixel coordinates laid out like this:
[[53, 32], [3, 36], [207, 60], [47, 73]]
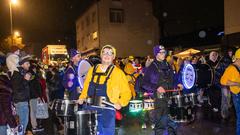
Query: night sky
[[47, 21], [43, 21]]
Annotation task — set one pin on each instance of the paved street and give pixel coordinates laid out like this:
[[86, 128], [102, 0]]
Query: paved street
[[204, 124]]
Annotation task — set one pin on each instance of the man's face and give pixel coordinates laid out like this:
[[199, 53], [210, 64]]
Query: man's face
[[230, 54], [194, 60], [76, 58], [107, 55], [25, 66], [213, 56], [161, 55], [17, 52]]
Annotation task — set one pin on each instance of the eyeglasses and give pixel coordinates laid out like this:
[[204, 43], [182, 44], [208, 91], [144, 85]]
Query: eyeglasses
[[162, 52], [109, 53]]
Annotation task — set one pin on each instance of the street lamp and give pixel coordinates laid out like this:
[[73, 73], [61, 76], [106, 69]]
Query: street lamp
[[16, 34], [11, 2]]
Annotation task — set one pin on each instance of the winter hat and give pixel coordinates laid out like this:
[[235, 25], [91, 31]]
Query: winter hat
[[24, 58], [131, 58], [111, 47], [157, 49], [73, 52], [237, 54]]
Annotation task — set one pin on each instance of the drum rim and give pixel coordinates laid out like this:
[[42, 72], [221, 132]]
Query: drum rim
[[177, 96], [212, 74], [135, 101], [66, 101], [191, 94], [86, 112], [148, 100]]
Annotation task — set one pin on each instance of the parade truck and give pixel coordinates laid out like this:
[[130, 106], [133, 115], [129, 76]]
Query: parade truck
[[54, 54]]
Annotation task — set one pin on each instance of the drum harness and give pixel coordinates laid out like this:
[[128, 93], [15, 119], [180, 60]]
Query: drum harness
[[214, 68], [101, 101], [71, 67], [164, 80]]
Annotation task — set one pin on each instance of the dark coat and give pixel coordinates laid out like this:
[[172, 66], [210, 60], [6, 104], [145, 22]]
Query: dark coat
[[21, 90], [73, 94], [158, 74], [35, 86], [6, 116]]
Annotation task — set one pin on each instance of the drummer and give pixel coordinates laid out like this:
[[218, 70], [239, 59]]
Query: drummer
[[106, 80], [70, 78], [159, 78]]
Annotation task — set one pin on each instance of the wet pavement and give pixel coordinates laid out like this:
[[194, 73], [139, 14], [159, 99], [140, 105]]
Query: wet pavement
[[205, 123]]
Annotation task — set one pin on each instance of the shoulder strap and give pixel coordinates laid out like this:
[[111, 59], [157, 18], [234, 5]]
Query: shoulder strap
[[155, 64], [94, 72], [70, 67], [236, 68], [110, 72]]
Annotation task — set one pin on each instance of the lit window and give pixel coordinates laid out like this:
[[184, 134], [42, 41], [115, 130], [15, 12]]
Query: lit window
[[116, 15], [94, 35]]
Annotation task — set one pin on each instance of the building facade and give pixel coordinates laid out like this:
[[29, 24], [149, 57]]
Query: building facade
[[232, 23], [128, 25]]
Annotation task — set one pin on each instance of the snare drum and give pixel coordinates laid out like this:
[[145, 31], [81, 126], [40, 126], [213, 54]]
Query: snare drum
[[135, 105], [65, 108], [180, 101], [193, 98], [86, 122], [53, 104], [148, 104], [182, 114]]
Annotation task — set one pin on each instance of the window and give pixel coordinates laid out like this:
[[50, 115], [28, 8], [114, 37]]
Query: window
[[95, 35], [116, 15], [93, 17], [87, 20]]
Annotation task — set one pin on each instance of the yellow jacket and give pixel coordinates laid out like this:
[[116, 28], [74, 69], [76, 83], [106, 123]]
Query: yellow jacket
[[231, 74], [129, 69], [118, 90]]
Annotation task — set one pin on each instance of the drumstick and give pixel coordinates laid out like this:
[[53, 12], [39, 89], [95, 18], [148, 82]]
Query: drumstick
[[174, 90], [107, 103], [171, 90]]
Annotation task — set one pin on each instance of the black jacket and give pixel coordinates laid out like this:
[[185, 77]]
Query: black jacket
[[6, 116], [35, 86], [21, 90]]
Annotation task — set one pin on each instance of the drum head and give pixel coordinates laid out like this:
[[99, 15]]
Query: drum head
[[204, 75], [188, 76], [83, 68]]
